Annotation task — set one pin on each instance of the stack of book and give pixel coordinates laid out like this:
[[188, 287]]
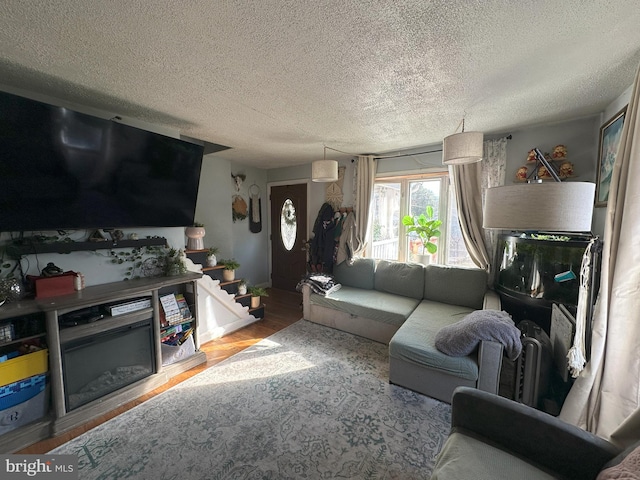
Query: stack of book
[[173, 317]]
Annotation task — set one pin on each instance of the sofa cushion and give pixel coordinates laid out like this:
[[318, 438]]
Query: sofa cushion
[[360, 274], [400, 278], [372, 304], [455, 285], [466, 457], [415, 341]]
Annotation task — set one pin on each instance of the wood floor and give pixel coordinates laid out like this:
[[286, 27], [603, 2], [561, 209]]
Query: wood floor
[[282, 308]]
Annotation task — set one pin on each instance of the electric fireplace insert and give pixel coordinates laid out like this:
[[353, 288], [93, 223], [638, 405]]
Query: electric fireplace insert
[[99, 364]]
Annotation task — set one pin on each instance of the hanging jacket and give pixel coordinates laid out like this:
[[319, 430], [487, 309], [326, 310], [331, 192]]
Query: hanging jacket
[[322, 243], [347, 240]]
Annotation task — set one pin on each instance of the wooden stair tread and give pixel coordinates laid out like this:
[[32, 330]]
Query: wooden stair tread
[[237, 298], [217, 267]]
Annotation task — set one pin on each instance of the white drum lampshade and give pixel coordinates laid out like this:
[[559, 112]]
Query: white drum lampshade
[[461, 148], [324, 171], [545, 207]]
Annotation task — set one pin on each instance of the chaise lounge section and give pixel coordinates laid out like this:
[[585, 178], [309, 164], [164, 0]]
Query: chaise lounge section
[[405, 305]]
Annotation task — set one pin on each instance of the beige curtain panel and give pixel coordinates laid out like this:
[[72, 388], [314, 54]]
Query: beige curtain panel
[[466, 181], [605, 399], [364, 180]]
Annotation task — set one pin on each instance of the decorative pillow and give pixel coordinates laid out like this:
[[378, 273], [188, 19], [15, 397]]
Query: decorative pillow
[[461, 338]]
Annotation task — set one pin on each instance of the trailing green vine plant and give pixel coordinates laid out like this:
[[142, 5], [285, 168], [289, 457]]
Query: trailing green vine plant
[[150, 261]]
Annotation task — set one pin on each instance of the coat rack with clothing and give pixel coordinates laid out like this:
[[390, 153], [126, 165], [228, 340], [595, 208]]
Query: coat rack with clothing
[[333, 238]]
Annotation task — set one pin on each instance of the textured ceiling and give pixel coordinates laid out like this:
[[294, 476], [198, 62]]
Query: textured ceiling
[[277, 80]]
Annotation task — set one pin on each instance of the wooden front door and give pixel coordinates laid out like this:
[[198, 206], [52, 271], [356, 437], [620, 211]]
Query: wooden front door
[[288, 204]]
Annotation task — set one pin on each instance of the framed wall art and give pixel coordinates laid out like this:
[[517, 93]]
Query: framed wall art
[[610, 134]]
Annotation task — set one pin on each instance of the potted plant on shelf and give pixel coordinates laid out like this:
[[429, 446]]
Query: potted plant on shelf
[[242, 287], [212, 261], [172, 262], [426, 227], [195, 234], [229, 271], [256, 293]]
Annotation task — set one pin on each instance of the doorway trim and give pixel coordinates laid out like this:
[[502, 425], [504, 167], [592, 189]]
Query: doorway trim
[[281, 183]]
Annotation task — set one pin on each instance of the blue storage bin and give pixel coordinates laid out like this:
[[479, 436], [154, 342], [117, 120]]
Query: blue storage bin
[[21, 391], [23, 401]]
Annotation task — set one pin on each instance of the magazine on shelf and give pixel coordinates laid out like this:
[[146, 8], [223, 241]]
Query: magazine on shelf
[[184, 307], [175, 309], [170, 308]]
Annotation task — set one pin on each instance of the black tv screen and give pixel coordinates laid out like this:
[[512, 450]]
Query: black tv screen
[[61, 169]]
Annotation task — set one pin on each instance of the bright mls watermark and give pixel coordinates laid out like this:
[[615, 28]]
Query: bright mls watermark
[[52, 467]]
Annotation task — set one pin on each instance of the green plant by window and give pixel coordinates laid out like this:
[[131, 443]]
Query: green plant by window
[[425, 226], [212, 250]]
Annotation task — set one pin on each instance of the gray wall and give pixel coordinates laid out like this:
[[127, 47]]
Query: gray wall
[[250, 249], [317, 195], [580, 137], [233, 239]]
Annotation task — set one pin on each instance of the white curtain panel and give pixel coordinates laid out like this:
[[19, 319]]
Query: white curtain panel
[[494, 163], [605, 398], [494, 167], [364, 179]]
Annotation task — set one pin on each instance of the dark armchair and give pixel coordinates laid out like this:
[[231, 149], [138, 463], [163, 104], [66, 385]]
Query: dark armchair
[[496, 438]]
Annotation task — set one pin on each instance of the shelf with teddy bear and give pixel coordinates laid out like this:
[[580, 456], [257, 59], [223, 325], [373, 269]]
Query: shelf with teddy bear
[[536, 170]]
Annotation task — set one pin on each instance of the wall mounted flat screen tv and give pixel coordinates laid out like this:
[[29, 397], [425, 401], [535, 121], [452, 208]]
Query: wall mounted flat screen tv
[[61, 169]]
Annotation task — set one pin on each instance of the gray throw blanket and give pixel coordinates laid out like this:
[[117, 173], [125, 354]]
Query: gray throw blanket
[[461, 338]]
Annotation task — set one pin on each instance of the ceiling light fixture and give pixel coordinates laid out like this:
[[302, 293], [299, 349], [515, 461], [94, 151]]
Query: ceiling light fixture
[[324, 170], [461, 148], [554, 207]]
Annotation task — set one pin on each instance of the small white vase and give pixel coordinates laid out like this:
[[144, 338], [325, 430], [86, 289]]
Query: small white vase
[[242, 289], [255, 302], [212, 261]]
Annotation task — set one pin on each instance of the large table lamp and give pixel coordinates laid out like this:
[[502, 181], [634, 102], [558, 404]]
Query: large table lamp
[[554, 206]]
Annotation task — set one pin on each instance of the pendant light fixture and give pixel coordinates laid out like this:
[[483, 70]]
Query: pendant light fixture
[[324, 170], [461, 148]]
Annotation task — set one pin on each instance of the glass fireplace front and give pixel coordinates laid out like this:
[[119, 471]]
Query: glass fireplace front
[[97, 365]]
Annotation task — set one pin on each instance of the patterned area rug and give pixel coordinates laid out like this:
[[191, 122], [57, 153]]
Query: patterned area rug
[[309, 402]]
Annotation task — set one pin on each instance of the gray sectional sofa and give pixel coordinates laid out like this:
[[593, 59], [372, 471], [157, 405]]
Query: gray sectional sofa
[[404, 305]]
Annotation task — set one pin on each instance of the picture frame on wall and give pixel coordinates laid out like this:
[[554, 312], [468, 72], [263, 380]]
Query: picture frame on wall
[[610, 134]]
